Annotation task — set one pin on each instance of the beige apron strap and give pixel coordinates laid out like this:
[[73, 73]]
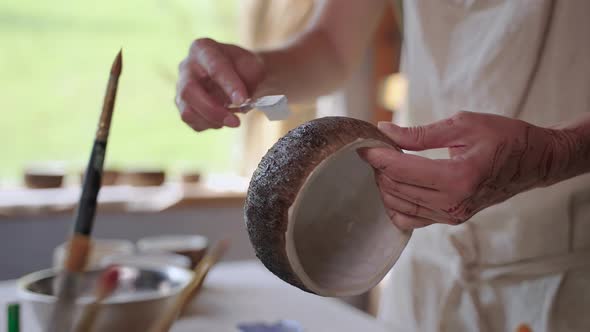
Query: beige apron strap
[[536, 267], [464, 277], [453, 299]]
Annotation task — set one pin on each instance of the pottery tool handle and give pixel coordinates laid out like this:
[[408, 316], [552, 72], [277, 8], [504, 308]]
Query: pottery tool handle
[[165, 323], [274, 107], [242, 108]]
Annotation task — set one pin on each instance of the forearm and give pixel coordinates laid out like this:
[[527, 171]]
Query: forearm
[[304, 70], [326, 54], [569, 153]]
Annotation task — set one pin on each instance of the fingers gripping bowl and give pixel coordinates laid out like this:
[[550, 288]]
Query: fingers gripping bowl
[[313, 210]]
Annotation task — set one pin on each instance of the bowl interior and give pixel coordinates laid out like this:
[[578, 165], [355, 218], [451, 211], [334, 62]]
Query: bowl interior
[[340, 241]]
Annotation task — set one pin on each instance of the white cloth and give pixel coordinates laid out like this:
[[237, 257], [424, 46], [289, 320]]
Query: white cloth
[[527, 260]]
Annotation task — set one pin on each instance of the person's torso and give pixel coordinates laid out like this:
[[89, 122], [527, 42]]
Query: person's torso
[[525, 260], [524, 59]]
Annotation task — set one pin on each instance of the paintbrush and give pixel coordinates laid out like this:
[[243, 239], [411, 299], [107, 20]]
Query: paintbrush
[[200, 272], [105, 286], [79, 243]]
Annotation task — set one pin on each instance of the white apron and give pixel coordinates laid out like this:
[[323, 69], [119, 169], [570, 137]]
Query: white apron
[[527, 260]]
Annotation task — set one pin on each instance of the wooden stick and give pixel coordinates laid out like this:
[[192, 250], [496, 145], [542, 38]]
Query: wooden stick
[[106, 285], [200, 272], [78, 248]]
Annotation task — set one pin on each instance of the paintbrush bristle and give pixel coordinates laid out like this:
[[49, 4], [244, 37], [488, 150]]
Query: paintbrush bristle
[[107, 282], [117, 66]]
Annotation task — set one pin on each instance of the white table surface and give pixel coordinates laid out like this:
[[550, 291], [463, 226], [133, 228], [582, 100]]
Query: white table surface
[[243, 292]]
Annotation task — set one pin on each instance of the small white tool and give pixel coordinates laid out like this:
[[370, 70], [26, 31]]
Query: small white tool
[[274, 107]]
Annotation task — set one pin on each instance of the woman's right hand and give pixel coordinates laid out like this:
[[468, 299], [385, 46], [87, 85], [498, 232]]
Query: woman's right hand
[[212, 76]]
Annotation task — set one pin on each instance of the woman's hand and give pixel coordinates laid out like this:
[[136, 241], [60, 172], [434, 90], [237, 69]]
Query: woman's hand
[[213, 76], [492, 158]]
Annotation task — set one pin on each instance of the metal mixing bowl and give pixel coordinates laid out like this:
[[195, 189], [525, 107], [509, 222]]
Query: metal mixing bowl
[[143, 292]]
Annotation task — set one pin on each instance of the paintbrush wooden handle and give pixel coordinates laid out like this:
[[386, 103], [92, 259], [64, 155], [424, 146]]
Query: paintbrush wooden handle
[[88, 317], [93, 176], [106, 285], [77, 253], [88, 199], [165, 322]]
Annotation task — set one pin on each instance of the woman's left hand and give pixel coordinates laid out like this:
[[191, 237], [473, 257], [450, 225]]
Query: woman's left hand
[[492, 158]]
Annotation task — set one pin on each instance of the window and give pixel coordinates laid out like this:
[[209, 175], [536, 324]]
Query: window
[[54, 67]]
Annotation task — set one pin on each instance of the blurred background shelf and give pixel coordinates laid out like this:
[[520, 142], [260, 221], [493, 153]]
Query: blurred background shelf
[[119, 198]]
